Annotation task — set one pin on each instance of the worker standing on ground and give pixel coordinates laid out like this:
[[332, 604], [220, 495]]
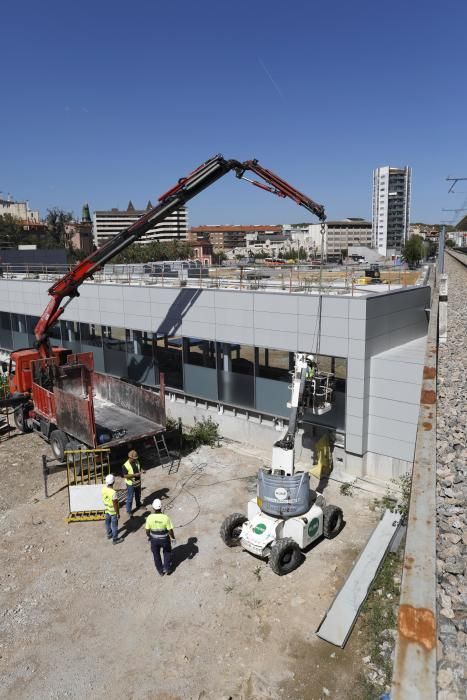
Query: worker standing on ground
[[132, 472], [112, 509], [159, 530]]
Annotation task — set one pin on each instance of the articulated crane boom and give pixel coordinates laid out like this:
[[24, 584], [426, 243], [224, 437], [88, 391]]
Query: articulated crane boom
[[186, 188]]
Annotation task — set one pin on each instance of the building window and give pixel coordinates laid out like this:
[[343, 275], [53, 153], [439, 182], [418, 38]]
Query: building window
[[91, 341], [6, 340], [70, 335], [169, 360], [139, 357], [235, 365]]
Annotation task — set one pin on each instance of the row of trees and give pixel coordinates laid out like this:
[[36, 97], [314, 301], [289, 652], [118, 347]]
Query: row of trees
[[13, 234]]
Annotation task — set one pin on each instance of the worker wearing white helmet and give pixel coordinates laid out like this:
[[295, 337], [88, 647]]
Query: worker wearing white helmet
[[159, 530], [112, 509]]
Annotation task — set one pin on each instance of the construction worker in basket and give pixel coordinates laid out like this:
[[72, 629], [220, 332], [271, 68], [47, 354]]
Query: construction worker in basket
[[311, 367], [132, 472], [112, 509], [159, 530]]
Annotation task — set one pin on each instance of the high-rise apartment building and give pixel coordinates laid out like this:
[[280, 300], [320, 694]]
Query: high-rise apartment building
[[107, 224], [391, 208]]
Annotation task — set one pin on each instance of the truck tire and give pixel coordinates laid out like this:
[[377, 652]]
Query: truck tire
[[73, 445], [21, 422], [285, 556], [231, 528], [58, 442], [333, 519]]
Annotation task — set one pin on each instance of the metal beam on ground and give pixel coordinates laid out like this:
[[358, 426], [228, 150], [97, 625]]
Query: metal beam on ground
[[341, 616]]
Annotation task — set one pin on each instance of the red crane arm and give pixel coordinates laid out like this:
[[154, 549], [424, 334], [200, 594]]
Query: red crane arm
[[186, 188]]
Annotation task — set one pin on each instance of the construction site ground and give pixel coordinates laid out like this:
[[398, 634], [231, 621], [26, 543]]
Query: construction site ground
[[82, 618]]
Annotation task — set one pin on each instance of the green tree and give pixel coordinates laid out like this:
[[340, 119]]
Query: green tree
[[56, 221], [413, 251], [11, 233], [219, 257], [302, 254], [450, 243], [154, 251]]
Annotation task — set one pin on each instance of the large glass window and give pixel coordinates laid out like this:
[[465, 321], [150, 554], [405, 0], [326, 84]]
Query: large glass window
[[140, 359], [19, 331], [200, 373], [53, 332], [70, 335], [91, 341], [6, 339], [168, 359], [273, 380], [235, 366], [114, 342]]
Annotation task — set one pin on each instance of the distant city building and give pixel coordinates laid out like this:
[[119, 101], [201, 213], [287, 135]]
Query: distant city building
[[307, 236], [459, 238], [107, 223], [341, 234], [391, 208], [202, 252], [19, 211], [225, 237]]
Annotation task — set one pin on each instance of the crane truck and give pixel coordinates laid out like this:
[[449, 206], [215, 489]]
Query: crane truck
[[287, 516], [57, 393]]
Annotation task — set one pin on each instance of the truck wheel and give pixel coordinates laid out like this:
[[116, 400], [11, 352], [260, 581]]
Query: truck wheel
[[22, 423], [231, 529], [58, 443], [285, 556], [333, 519]]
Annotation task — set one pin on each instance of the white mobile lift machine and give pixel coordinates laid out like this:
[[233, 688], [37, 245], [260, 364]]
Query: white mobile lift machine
[[287, 516]]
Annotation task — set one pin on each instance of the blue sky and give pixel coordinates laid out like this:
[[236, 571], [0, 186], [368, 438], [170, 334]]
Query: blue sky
[[109, 101]]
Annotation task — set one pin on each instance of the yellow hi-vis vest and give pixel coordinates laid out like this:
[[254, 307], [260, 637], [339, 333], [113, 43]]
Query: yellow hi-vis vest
[[109, 496], [129, 468]]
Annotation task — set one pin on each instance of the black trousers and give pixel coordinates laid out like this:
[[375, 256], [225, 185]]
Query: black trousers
[[156, 546]]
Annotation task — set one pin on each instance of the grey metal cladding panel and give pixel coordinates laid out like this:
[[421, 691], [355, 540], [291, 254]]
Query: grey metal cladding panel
[[191, 329], [339, 347], [308, 305], [357, 308], [390, 447], [140, 308], [91, 315], [335, 327], [138, 323], [335, 307], [395, 429], [111, 291], [354, 443], [397, 301], [307, 342], [115, 320], [397, 336], [112, 305], [357, 328], [234, 300], [130, 293], [355, 387], [396, 410], [381, 368], [275, 321], [397, 391], [236, 317], [354, 425], [235, 334], [281, 340], [163, 296], [357, 348], [388, 322], [355, 406], [200, 313], [276, 303], [355, 368]]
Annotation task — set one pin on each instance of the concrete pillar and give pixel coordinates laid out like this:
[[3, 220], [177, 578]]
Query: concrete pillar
[[443, 309]]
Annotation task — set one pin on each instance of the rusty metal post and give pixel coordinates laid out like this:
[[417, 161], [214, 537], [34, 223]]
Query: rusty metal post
[[415, 655], [45, 472]]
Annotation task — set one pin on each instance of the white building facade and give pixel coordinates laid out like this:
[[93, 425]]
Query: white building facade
[[18, 210], [107, 223], [391, 208]]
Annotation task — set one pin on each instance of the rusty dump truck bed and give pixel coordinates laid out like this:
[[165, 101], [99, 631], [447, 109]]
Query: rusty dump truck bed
[[94, 408]]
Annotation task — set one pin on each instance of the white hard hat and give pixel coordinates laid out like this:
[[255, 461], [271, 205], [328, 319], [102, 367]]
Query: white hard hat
[[109, 479], [310, 357], [157, 504]]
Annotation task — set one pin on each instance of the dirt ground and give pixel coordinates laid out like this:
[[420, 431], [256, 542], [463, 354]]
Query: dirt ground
[[81, 618]]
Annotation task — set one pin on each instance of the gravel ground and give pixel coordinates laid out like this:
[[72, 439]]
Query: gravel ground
[[80, 617], [452, 492]]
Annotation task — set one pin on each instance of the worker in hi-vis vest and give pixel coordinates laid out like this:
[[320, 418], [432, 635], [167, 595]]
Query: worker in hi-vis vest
[[112, 509], [132, 472], [159, 530]]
